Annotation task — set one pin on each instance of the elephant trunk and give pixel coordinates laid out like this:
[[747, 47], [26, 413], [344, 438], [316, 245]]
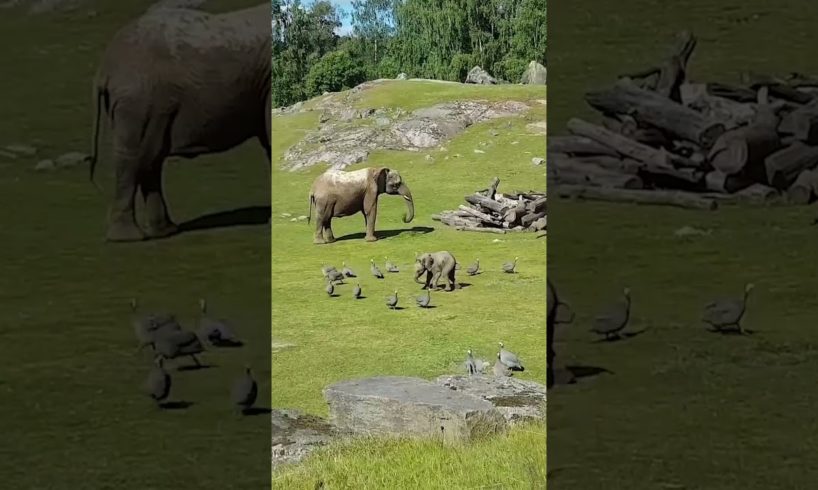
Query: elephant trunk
[[410, 204]]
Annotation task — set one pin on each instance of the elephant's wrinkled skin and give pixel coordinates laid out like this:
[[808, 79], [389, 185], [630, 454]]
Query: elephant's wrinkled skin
[[336, 194], [435, 265], [178, 82]]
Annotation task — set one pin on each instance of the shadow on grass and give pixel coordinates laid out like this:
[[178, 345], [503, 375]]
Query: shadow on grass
[[415, 230], [250, 412], [227, 343], [621, 336], [430, 307], [732, 331], [177, 405], [194, 367], [580, 372], [252, 215]]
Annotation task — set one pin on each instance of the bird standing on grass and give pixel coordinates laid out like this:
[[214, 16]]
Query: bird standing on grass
[[392, 301], [330, 289], [356, 293], [510, 359], [157, 386], [216, 332], [615, 319], [500, 369], [148, 326], [474, 268], [172, 345], [244, 391], [425, 301], [727, 312], [471, 366], [335, 276], [389, 266], [374, 269], [347, 271], [509, 267]]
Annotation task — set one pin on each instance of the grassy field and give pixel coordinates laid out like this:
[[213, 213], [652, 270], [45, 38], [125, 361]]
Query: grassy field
[[338, 338], [72, 413], [683, 408]]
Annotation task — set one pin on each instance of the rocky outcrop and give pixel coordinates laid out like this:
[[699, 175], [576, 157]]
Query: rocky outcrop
[[402, 76], [295, 435], [518, 400], [535, 74], [402, 406], [480, 76], [343, 139]]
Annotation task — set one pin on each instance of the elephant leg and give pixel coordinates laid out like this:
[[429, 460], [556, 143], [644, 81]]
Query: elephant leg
[[157, 223], [370, 223], [328, 235], [265, 143], [435, 279], [319, 228], [428, 284], [452, 282]]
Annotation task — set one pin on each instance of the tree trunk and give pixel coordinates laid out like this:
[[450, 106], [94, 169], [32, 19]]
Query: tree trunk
[[686, 200]]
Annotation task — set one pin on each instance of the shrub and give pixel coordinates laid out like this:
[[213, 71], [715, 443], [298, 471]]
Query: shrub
[[335, 71]]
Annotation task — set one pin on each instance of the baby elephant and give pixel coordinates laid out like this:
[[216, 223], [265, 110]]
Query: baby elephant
[[435, 265]]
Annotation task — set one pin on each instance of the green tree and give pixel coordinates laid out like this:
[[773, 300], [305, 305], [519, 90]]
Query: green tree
[[336, 70]]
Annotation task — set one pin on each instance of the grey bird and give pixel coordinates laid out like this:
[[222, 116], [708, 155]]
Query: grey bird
[[425, 301], [374, 269], [392, 301], [330, 289], [612, 321], [471, 366], [356, 293], [347, 271], [325, 270], [510, 359], [501, 369], [509, 267], [335, 276], [389, 266], [215, 331], [244, 391], [158, 384], [147, 326], [172, 345], [474, 268], [727, 312]]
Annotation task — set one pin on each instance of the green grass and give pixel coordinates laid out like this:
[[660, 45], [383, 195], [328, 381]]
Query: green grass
[[73, 414], [339, 338], [684, 408], [513, 460]]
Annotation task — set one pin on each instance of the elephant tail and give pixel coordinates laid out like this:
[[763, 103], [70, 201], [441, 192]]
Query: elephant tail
[[312, 203], [101, 97]]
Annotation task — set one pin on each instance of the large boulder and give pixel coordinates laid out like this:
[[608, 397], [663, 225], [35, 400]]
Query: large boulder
[[480, 76], [518, 400], [295, 435], [535, 74], [402, 406]]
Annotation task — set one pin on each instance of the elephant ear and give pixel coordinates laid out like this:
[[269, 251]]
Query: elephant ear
[[380, 176], [428, 262]]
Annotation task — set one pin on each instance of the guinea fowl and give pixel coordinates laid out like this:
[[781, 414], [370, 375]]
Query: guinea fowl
[[335, 276], [347, 271], [392, 301], [471, 366], [615, 319], [146, 327], [500, 369], [374, 269], [727, 312], [215, 331], [425, 301], [244, 391], [157, 386], [325, 270], [356, 293], [509, 267], [474, 268], [510, 359], [172, 345], [389, 266], [330, 289]]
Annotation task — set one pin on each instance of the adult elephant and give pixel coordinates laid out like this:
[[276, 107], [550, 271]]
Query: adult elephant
[[555, 307], [178, 82], [336, 193], [436, 265]]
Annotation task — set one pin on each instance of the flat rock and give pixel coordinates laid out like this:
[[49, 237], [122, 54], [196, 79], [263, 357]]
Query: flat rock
[[403, 406], [480, 76], [535, 74], [295, 435], [539, 127], [517, 400], [22, 150]]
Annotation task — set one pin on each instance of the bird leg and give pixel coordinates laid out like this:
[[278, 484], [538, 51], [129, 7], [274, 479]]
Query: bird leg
[[198, 364]]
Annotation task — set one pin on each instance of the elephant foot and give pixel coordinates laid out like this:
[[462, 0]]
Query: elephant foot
[[371, 238], [161, 230], [124, 232], [318, 241], [330, 239]]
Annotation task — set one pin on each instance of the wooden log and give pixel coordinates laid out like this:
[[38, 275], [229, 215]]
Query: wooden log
[[738, 94], [718, 181], [481, 230], [756, 194], [802, 191], [530, 218], [485, 202], [594, 174], [481, 216], [729, 112], [493, 188], [679, 199], [615, 164], [654, 161], [784, 166], [537, 205], [666, 78], [744, 149], [654, 110], [802, 123], [577, 145], [540, 224], [777, 87]]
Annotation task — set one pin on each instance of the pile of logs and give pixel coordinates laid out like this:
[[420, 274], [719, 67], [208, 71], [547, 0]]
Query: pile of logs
[[664, 139], [491, 212]]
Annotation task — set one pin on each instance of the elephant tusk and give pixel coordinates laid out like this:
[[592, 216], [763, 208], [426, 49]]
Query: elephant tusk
[[407, 198]]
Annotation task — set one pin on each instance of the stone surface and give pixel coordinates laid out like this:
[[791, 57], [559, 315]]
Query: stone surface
[[22, 150], [480, 76], [518, 400], [70, 159], [295, 435], [539, 127], [401, 76], [535, 74], [402, 406], [44, 165]]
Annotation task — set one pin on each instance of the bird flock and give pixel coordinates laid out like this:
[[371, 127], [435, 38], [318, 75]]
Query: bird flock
[[163, 333], [505, 365], [334, 278]]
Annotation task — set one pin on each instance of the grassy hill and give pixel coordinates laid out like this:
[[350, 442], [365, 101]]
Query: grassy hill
[[338, 338]]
